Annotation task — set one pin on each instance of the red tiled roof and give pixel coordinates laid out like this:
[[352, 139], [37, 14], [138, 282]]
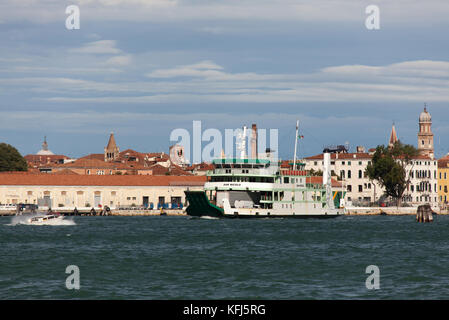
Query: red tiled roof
[[98, 180], [98, 156], [172, 170], [443, 162], [319, 180]]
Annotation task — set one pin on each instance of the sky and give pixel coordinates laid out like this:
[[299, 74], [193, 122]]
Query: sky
[[143, 68]]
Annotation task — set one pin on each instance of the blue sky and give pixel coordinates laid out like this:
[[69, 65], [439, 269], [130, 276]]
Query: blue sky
[[141, 68]]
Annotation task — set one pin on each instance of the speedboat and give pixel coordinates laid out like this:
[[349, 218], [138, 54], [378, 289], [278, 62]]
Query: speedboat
[[48, 219]]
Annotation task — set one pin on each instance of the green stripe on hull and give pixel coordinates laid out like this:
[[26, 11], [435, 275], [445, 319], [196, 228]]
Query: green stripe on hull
[[199, 205]]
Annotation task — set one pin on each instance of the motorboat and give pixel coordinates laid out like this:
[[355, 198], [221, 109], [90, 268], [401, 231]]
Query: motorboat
[[48, 219]]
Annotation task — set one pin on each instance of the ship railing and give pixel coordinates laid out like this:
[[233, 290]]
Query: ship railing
[[293, 172]]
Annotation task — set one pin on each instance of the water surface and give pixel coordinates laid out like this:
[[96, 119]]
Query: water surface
[[185, 258]]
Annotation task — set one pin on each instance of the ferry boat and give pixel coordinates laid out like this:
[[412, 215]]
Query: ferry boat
[[263, 187], [46, 220]]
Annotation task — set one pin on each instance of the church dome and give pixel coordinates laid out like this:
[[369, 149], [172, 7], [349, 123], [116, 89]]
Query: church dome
[[44, 151], [425, 116]]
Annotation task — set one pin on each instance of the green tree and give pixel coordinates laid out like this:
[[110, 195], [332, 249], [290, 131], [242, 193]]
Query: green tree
[[11, 159], [317, 173], [389, 168]]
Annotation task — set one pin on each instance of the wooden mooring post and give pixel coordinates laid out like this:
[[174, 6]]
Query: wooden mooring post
[[424, 213]]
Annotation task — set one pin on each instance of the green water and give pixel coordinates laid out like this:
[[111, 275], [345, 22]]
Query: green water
[[185, 258]]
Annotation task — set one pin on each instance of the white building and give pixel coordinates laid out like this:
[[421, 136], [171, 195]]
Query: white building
[[350, 170], [70, 191], [422, 171]]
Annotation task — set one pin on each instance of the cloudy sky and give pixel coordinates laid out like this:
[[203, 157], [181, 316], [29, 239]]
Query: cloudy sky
[[142, 68]]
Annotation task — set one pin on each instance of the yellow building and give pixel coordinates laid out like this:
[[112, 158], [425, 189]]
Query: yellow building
[[443, 181]]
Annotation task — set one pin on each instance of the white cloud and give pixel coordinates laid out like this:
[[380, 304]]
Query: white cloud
[[119, 60], [206, 81], [98, 47]]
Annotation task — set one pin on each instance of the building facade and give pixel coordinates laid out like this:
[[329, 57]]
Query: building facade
[[443, 181], [85, 191], [422, 171], [349, 169]]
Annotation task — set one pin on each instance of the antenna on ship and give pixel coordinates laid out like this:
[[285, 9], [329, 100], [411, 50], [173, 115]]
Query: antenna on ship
[[296, 144]]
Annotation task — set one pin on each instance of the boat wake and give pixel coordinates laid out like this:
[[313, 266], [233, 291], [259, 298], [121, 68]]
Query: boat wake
[[209, 218], [25, 220]]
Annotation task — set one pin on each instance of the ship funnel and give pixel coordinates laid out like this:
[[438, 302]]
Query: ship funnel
[[327, 179], [254, 142]]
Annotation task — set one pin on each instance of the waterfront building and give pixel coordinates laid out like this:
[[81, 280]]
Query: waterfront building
[[84, 191], [422, 174], [443, 180], [422, 171], [349, 168]]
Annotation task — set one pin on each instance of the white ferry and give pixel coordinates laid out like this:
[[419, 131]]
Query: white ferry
[[262, 187]]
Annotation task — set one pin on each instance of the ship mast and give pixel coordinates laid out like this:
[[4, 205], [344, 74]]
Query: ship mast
[[296, 143]]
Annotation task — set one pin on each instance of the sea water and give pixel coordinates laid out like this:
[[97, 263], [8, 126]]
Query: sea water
[[184, 258]]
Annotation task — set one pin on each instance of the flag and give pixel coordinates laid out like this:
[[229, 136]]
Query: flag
[[300, 137]]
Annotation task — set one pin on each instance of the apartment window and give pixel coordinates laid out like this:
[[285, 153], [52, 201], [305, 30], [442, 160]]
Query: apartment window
[[349, 174], [113, 193], [360, 174], [63, 193], [285, 179], [30, 193], [349, 188], [360, 188]]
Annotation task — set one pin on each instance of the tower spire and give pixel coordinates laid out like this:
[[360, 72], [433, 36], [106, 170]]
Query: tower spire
[[111, 151], [393, 136]]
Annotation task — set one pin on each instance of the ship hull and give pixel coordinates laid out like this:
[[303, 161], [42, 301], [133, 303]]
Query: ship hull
[[199, 205]]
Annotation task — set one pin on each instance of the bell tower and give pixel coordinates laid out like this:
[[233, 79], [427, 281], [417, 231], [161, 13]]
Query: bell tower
[[425, 134], [111, 151]]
